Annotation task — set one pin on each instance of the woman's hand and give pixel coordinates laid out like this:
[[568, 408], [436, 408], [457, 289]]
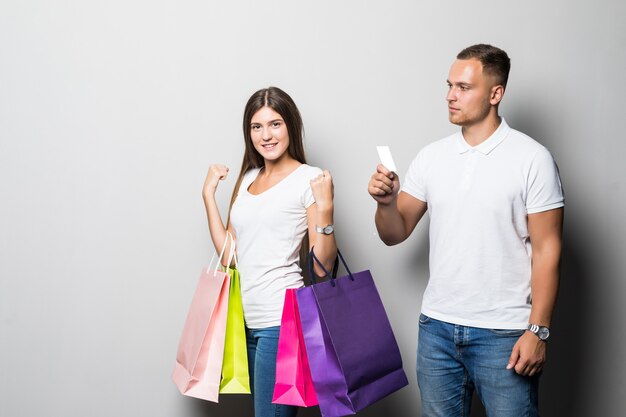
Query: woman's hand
[[321, 214], [216, 173], [323, 190], [217, 229]]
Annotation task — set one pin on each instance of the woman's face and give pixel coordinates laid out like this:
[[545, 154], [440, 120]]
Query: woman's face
[[269, 134]]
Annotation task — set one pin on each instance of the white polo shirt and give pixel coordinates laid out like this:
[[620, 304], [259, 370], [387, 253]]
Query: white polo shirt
[[478, 201]]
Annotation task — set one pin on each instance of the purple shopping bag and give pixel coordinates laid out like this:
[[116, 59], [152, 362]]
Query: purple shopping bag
[[353, 354]]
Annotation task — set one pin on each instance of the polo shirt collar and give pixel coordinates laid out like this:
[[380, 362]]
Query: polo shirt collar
[[488, 145]]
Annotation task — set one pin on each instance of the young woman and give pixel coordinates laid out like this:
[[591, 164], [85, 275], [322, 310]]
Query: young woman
[[277, 200]]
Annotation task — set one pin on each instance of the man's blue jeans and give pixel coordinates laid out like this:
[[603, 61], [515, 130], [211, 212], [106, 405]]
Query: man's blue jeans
[[454, 360], [262, 348]]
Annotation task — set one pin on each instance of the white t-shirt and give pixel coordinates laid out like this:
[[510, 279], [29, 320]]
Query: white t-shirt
[[478, 200], [270, 227]]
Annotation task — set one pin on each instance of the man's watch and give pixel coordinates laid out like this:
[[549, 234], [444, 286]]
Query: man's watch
[[542, 332], [327, 230]]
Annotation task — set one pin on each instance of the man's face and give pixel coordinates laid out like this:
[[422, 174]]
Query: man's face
[[469, 93]]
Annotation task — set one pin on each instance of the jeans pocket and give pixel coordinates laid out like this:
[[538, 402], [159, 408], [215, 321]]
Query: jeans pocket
[[424, 319], [508, 332]]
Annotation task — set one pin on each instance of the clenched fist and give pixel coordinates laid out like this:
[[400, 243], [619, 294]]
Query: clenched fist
[[216, 174], [323, 190], [384, 185]]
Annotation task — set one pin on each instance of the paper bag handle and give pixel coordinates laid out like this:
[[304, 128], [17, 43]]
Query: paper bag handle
[[332, 276], [219, 259]]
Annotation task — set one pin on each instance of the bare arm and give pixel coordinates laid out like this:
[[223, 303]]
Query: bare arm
[[321, 213], [529, 353], [397, 214], [216, 226]]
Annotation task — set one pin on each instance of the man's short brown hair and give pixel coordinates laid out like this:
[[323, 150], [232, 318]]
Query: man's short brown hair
[[494, 60]]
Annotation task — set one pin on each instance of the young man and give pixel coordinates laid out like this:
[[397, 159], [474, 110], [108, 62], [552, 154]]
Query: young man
[[496, 210]]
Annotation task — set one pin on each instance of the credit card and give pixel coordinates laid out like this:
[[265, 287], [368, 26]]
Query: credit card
[[385, 158]]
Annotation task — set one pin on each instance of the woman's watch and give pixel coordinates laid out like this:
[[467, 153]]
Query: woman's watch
[[327, 230], [542, 332]]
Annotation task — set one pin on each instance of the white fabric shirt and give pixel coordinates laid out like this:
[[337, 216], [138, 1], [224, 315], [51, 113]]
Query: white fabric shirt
[[270, 227], [478, 200]]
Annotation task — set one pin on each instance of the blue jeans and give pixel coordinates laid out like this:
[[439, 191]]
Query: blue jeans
[[454, 360], [262, 348]]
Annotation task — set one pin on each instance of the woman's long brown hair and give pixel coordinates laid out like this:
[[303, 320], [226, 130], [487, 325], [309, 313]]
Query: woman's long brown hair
[[283, 104]]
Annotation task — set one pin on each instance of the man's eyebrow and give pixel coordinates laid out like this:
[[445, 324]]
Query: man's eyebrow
[[458, 83]]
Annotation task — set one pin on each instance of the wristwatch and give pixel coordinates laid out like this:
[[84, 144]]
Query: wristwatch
[[542, 332], [328, 229]]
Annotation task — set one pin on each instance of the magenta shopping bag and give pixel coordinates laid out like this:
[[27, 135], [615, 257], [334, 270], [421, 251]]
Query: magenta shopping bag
[[353, 354], [293, 377], [198, 367]]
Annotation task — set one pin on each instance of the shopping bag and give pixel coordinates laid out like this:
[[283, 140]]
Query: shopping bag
[[293, 384], [353, 354], [235, 376], [200, 352]]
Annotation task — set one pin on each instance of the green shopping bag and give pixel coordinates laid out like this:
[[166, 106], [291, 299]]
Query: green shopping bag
[[235, 377]]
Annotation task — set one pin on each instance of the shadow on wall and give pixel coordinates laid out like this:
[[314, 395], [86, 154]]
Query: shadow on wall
[[563, 383], [229, 405], [241, 406]]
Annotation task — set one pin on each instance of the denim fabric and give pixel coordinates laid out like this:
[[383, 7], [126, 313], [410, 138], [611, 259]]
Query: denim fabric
[[262, 348], [454, 360]]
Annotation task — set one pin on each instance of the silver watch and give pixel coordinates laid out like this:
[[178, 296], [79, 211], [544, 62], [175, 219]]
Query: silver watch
[[327, 230], [542, 332]]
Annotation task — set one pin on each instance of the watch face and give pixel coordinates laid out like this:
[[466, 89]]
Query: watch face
[[328, 229], [543, 333]]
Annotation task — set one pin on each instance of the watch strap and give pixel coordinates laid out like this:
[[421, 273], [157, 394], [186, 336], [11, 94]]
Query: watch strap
[[326, 230]]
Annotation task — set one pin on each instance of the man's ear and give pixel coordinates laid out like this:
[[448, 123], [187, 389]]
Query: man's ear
[[497, 92]]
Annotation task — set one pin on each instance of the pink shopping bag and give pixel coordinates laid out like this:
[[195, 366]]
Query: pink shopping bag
[[293, 377], [198, 368]]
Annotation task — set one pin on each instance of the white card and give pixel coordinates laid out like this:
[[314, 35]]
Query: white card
[[385, 158]]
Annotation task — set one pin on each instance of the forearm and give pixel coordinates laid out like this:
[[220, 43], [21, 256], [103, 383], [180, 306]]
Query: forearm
[[545, 238], [544, 285], [325, 245], [390, 224], [216, 227]]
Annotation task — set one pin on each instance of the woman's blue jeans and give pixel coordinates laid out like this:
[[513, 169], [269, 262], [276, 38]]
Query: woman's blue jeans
[[262, 348], [454, 360]]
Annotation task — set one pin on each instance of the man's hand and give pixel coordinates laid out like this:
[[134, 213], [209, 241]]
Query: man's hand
[[384, 185], [528, 355]]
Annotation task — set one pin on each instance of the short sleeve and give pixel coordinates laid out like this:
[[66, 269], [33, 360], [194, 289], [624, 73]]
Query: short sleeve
[[307, 196], [544, 184], [414, 182]]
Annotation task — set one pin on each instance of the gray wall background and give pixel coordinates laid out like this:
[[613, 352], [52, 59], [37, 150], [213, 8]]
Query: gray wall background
[[111, 112]]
